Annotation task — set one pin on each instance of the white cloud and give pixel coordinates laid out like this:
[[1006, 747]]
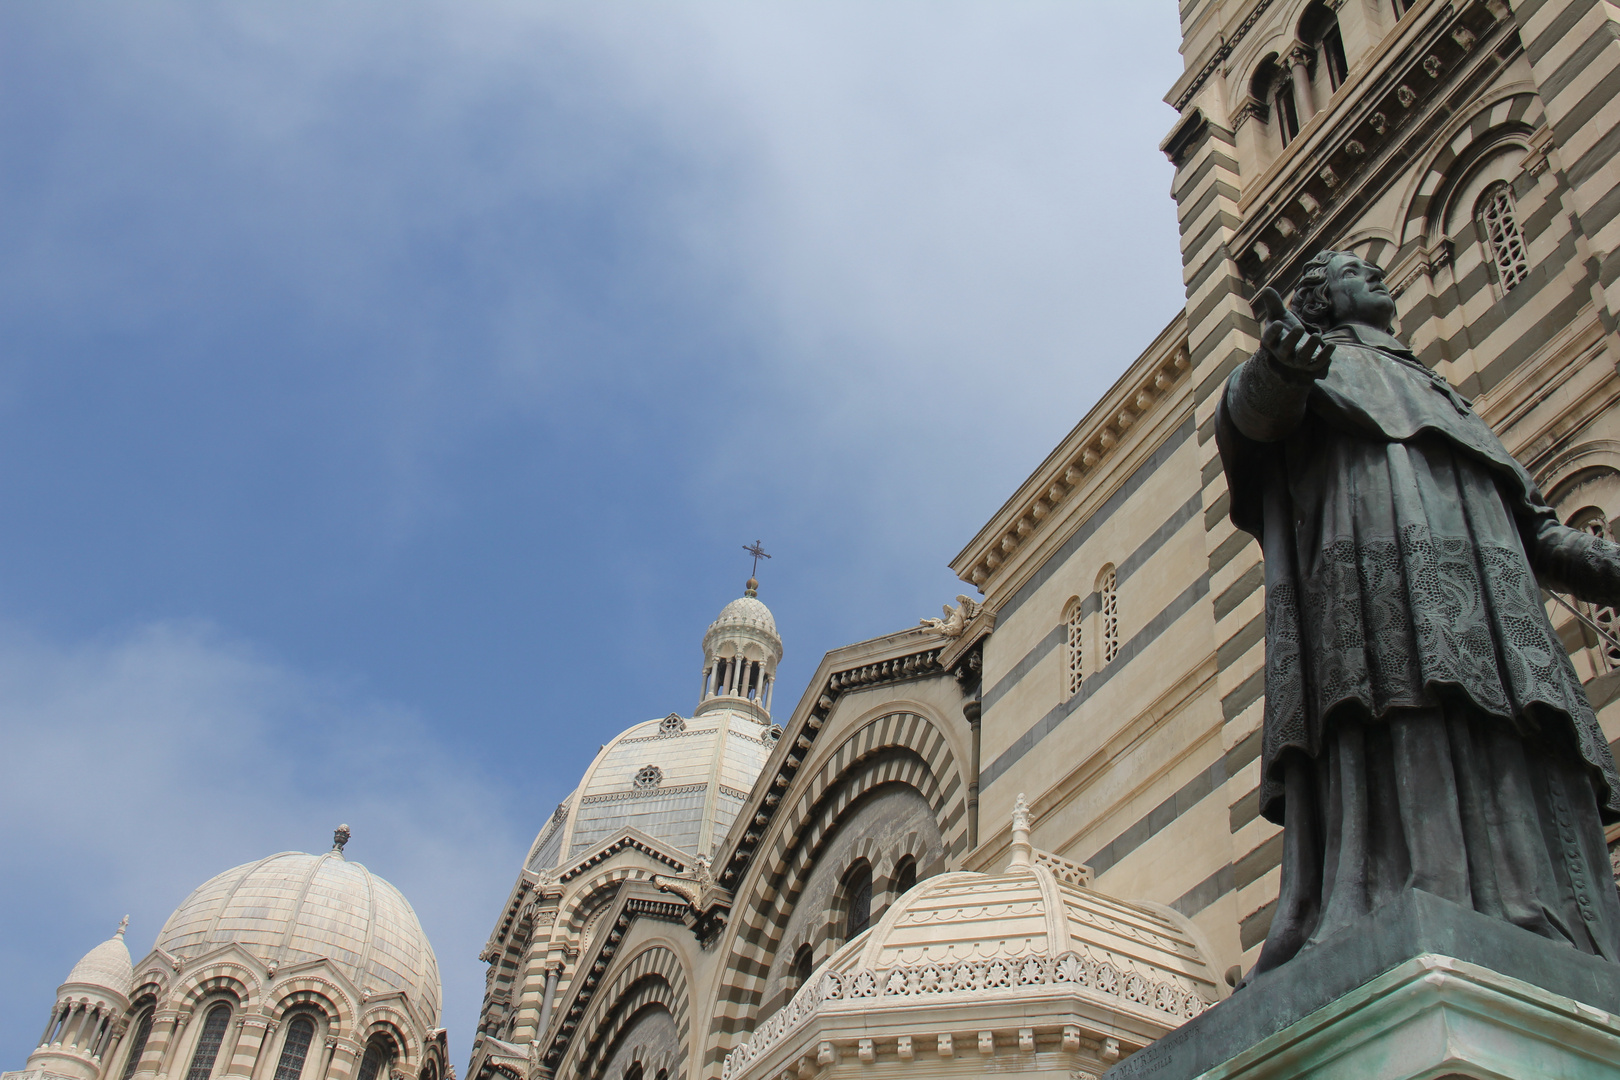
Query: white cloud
[[139, 766]]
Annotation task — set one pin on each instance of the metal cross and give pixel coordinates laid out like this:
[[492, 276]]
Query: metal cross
[[758, 553]]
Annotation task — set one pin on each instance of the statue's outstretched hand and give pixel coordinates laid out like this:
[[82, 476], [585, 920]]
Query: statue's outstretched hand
[[1287, 341]]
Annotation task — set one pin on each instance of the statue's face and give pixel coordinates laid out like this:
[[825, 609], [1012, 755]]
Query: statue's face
[[1358, 292]]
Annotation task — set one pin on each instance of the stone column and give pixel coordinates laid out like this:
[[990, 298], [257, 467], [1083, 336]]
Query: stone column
[[250, 1035], [344, 1058], [1299, 63], [553, 970], [973, 711], [167, 1048]]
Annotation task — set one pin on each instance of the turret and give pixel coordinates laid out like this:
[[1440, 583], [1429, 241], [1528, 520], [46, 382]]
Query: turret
[[740, 652]]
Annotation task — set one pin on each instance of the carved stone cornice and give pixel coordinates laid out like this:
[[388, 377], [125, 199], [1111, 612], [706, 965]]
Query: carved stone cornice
[[1088, 448], [1189, 87]]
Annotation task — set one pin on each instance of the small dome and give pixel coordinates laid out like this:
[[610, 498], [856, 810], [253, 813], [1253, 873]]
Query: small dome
[[1033, 943], [107, 966], [1028, 912], [745, 611], [292, 907]]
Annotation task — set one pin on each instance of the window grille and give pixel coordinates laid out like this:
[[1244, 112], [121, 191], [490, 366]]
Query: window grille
[[208, 1040], [137, 1046], [1608, 653], [1108, 597], [1499, 216], [295, 1049], [1077, 640], [673, 724], [649, 776]]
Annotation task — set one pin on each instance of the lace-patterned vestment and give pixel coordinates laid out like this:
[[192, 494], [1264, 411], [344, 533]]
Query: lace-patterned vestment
[[1402, 546]]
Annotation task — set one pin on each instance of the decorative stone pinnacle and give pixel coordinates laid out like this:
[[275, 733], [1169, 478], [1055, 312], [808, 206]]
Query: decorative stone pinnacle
[[340, 836], [1021, 849], [123, 924]]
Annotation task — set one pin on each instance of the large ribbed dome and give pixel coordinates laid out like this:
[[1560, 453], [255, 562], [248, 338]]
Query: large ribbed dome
[[680, 780], [293, 907]]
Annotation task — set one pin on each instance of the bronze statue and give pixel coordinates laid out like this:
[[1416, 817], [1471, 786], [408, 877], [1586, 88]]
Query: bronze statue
[[1424, 728]]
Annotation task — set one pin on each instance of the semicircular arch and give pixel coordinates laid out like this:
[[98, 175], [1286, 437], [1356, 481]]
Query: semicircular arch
[[897, 746], [654, 976]]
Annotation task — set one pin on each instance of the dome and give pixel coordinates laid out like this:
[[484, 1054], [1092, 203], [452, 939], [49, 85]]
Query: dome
[[963, 925], [107, 966], [681, 780], [1033, 950], [745, 611], [291, 908]]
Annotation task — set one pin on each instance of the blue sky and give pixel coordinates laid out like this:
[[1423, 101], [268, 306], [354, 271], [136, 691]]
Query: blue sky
[[387, 389]]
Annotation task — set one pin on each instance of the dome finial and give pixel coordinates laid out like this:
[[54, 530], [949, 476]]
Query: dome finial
[[123, 924], [340, 836], [1021, 848]]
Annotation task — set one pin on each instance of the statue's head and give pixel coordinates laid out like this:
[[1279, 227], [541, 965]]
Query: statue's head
[[1342, 287]]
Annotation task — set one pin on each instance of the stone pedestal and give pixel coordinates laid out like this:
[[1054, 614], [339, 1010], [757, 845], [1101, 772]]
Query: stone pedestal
[[1421, 989]]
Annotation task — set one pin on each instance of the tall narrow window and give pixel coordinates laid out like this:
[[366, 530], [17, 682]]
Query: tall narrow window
[[376, 1061], [1499, 218], [858, 902], [1282, 99], [906, 877], [295, 1048], [1108, 603], [137, 1045], [1338, 69], [804, 964], [1075, 618], [208, 1040]]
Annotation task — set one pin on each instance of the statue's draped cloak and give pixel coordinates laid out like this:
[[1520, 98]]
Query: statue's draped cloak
[[1398, 536]]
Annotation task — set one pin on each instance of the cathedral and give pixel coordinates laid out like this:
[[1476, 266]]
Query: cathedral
[[1025, 837]]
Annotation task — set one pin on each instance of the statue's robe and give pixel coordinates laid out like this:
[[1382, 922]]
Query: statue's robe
[[1424, 727]]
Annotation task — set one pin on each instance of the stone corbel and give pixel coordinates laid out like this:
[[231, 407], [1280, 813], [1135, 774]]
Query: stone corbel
[[1539, 156], [1421, 263], [1250, 107]]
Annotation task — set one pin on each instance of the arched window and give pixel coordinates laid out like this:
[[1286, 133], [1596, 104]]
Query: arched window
[[379, 1059], [1319, 26], [137, 1045], [804, 964], [1498, 216], [634, 1072], [208, 1040], [1332, 53], [1074, 618], [857, 900], [294, 1048], [1108, 605], [905, 878], [1272, 86]]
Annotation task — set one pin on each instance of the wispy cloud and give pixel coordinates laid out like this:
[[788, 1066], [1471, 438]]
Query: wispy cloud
[[138, 766], [455, 349]]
